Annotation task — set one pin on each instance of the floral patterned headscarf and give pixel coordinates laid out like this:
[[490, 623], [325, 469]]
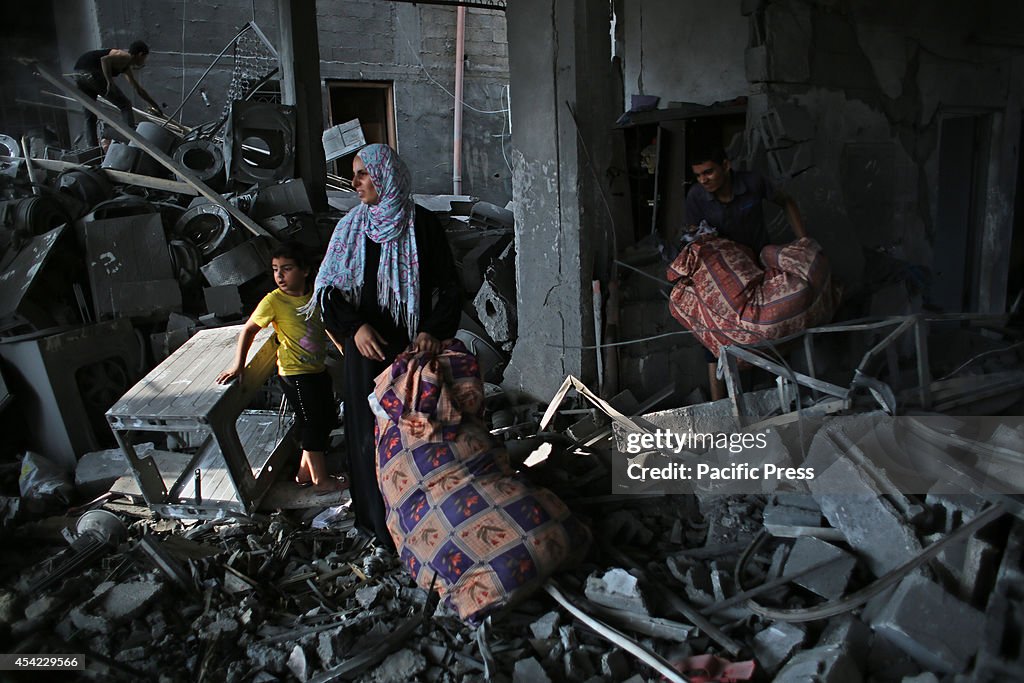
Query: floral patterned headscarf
[[389, 223]]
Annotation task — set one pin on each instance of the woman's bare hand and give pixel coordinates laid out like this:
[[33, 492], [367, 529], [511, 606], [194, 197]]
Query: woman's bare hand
[[370, 343], [426, 342]]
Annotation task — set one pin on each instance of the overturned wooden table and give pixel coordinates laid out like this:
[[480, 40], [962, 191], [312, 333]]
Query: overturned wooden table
[[241, 452]]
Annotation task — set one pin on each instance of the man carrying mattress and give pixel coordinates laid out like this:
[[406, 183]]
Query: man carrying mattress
[[731, 202]]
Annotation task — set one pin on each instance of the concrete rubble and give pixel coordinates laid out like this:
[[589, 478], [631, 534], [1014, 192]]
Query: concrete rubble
[[272, 599]]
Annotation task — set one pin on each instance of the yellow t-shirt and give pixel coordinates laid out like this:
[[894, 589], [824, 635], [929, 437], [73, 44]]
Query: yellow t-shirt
[[303, 342]]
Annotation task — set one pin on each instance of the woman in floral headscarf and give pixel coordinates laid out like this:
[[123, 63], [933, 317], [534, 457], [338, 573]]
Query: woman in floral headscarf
[[386, 261]]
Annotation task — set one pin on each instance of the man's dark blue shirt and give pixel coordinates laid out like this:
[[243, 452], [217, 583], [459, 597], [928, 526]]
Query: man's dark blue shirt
[[742, 219]]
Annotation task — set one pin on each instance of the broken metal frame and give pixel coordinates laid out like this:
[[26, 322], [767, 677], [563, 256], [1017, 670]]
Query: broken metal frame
[[148, 147], [862, 377]]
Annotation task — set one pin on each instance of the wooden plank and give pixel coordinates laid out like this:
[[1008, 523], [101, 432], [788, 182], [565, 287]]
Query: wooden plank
[[112, 175], [117, 124]]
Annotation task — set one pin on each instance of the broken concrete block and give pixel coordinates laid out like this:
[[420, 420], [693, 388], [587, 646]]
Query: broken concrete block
[[132, 654], [225, 626], [827, 664], [89, 623], [786, 521], [297, 663], [401, 667], [851, 503], [617, 589], [8, 604], [130, 599], [529, 670], [97, 471], [266, 658], [828, 582], [953, 505], [546, 626], [43, 607], [497, 312], [577, 665], [930, 625], [775, 644], [849, 633], [614, 665], [366, 596]]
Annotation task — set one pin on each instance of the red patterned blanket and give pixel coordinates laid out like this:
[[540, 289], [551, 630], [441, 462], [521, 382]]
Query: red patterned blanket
[[724, 297]]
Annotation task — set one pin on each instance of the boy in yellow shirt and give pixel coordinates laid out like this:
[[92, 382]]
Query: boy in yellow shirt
[[300, 360]]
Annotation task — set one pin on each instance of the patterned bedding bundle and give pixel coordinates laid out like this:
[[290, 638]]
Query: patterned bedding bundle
[[724, 297], [454, 508]]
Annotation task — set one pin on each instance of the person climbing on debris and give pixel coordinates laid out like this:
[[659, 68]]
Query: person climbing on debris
[[300, 361], [94, 75], [387, 284], [730, 201]]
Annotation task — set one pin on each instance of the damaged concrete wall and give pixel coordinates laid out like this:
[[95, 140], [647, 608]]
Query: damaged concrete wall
[[411, 46], [865, 110], [414, 46], [706, 41], [556, 51]]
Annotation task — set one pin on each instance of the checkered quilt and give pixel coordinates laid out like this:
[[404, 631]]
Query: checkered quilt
[[461, 520]]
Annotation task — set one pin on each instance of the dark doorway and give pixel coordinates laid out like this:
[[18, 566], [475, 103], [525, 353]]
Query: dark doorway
[[963, 159], [372, 102], [1015, 279]]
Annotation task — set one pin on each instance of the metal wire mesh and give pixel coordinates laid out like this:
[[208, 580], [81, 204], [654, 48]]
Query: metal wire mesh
[[254, 62]]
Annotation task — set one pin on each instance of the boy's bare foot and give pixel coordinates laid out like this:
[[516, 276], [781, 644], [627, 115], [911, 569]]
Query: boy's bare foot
[[330, 485]]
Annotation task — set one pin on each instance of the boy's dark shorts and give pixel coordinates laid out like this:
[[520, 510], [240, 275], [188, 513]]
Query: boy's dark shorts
[[316, 414]]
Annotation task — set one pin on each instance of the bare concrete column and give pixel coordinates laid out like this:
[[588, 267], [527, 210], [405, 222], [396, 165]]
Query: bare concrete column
[[559, 226], [299, 52]]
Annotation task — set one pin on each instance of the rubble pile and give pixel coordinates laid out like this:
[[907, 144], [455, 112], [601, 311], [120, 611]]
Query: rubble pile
[[796, 584]]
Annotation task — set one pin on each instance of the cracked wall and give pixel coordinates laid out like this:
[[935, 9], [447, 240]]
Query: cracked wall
[[847, 110]]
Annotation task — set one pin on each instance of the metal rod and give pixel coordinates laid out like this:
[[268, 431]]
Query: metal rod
[[207, 72]]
